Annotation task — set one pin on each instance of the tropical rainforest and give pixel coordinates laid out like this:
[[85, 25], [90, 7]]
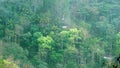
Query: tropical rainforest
[[59, 33]]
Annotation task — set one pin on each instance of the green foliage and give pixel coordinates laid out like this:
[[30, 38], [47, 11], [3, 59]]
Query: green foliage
[[56, 57], [7, 64], [71, 65], [37, 62], [117, 50], [45, 42], [59, 33], [13, 49]]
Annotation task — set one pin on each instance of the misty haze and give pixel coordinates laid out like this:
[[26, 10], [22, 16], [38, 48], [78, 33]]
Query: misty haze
[[59, 33]]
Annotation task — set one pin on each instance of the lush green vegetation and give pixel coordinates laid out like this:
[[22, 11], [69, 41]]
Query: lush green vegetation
[[59, 33]]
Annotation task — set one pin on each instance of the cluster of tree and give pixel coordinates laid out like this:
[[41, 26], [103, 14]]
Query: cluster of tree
[[59, 33]]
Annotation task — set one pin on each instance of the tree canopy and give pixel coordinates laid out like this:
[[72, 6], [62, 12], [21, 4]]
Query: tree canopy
[[59, 33]]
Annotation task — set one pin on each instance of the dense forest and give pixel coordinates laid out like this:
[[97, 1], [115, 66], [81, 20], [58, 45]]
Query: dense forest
[[59, 33]]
